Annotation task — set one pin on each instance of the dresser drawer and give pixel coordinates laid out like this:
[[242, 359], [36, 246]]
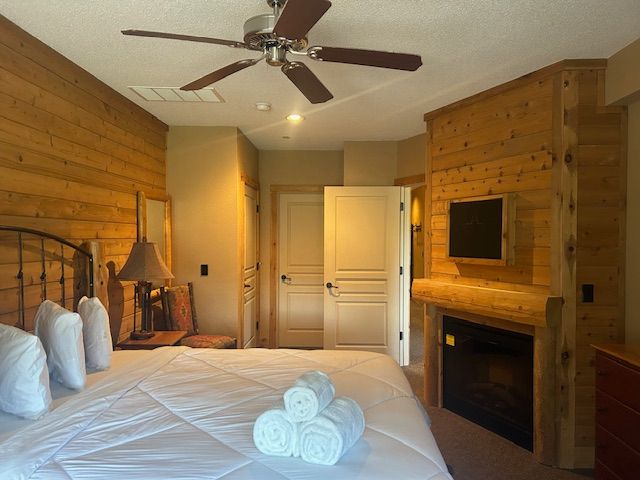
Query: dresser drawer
[[618, 419], [619, 381], [618, 457]]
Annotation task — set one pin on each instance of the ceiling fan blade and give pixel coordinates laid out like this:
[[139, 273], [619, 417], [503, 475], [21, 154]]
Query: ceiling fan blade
[[189, 38], [219, 74], [307, 82], [372, 58], [298, 17]]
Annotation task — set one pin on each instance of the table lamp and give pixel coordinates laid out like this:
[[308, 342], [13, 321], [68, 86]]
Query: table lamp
[[144, 265]]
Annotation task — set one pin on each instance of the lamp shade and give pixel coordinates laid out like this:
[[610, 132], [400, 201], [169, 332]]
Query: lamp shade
[[144, 264]]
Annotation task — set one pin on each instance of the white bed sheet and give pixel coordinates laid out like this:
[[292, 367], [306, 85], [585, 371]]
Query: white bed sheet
[[189, 413], [10, 424]]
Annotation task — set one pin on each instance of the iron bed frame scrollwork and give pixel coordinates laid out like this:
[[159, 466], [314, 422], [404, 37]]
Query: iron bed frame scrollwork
[[42, 236]]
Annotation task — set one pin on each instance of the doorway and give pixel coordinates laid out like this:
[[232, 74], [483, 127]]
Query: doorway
[[374, 316], [300, 267], [249, 285]]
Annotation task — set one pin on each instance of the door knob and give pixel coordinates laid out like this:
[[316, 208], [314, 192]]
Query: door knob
[[246, 285], [332, 289], [285, 279]]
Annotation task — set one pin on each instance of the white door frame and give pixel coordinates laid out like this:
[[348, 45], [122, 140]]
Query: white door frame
[[405, 263], [274, 274]]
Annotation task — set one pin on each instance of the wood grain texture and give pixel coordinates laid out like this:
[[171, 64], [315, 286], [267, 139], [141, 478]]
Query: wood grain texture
[[547, 140], [73, 154]]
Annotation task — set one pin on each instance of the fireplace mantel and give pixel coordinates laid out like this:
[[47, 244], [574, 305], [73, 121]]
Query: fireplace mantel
[[535, 309]]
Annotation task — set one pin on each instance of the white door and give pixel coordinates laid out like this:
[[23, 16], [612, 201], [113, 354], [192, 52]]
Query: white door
[[250, 263], [366, 293], [300, 267]]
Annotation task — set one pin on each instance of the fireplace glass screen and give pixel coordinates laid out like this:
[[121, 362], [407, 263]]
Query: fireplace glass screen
[[488, 378]]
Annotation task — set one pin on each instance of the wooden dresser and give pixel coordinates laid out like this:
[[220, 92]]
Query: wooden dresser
[[617, 412]]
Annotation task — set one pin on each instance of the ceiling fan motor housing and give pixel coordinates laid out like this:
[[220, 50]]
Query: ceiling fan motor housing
[[258, 34]]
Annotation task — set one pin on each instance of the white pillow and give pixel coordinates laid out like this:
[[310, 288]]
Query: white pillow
[[24, 377], [96, 333], [61, 334]]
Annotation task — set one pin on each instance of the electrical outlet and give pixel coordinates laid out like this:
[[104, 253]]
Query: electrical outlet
[[587, 293], [204, 270]]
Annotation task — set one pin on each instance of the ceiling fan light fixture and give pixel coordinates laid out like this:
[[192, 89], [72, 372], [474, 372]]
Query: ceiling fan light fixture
[[280, 33], [295, 118]]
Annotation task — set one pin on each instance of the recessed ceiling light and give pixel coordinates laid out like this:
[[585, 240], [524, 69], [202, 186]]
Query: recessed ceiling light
[[295, 118], [263, 106]]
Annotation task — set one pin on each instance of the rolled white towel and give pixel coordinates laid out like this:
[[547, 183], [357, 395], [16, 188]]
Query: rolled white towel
[[311, 392], [274, 433], [325, 438]]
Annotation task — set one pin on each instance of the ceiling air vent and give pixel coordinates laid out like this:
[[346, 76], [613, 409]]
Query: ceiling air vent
[[174, 94]]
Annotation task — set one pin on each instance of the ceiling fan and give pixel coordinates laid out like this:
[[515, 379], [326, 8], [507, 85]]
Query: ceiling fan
[[284, 32]]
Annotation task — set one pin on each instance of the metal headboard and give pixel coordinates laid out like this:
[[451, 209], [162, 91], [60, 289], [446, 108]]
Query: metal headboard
[[21, 231]]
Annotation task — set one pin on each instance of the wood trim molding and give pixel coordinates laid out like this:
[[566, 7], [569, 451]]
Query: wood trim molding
[[141, 217], [410, 180], [571, 64], [297, 188], [247, 180]]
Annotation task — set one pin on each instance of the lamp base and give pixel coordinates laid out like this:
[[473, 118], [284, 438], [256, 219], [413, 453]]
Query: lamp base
[[141, 335]]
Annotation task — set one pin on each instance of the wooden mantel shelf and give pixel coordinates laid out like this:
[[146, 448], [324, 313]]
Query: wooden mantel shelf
[[528, 308]]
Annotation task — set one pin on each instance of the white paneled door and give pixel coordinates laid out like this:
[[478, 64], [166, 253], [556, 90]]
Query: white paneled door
[[365, 246], [249, 272], [300, 267]]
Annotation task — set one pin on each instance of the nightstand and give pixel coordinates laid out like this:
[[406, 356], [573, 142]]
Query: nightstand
[[161, 338]]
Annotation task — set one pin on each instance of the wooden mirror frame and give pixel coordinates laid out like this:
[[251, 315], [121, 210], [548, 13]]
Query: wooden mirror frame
[[142, 224]]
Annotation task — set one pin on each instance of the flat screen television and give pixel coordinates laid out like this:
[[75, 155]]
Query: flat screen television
[[477, 229]]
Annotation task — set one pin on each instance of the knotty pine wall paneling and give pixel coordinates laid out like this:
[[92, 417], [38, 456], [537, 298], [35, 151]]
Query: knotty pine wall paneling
[[73, 154], [549, 140]]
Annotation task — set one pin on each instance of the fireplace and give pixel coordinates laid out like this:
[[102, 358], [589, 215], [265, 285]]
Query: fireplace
[[488, 378]]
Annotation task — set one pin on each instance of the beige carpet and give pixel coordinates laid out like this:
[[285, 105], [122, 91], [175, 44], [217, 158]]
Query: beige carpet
[[472, 452]]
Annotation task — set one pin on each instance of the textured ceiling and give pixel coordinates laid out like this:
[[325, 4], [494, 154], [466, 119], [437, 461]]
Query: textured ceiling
[[466, 46]]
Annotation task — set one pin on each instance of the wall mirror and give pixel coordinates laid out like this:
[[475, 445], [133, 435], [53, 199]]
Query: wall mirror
[[154, 223]]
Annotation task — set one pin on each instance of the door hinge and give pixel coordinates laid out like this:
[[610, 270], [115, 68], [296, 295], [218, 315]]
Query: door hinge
[[257, 208], [401, 270], [401, 336], [257, 266], [402, 206], [257, 326]]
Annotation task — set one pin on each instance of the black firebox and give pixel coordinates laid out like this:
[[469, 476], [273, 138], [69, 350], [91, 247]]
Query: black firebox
[[488, 378]]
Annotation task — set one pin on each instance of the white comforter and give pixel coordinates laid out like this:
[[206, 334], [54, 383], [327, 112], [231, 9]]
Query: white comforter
[[189, 413]]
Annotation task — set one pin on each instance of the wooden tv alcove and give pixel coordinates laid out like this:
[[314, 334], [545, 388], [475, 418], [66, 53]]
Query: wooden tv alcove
[[548, 141]]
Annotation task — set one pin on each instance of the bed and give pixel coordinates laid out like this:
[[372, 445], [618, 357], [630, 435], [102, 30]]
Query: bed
[[177, 412]]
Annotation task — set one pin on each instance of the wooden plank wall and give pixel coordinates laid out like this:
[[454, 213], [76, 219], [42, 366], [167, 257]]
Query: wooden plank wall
[[497, 144], [601, 172], [519, 138], [73, 154]]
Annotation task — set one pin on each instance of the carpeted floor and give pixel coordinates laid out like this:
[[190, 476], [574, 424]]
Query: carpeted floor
[[472, 452]]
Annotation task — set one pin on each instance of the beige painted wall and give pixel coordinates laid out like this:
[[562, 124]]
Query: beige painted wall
[[411, 156], [623, 75], [288, 168], [248, 157], [202, 179], [623, 88], [370, 163]]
